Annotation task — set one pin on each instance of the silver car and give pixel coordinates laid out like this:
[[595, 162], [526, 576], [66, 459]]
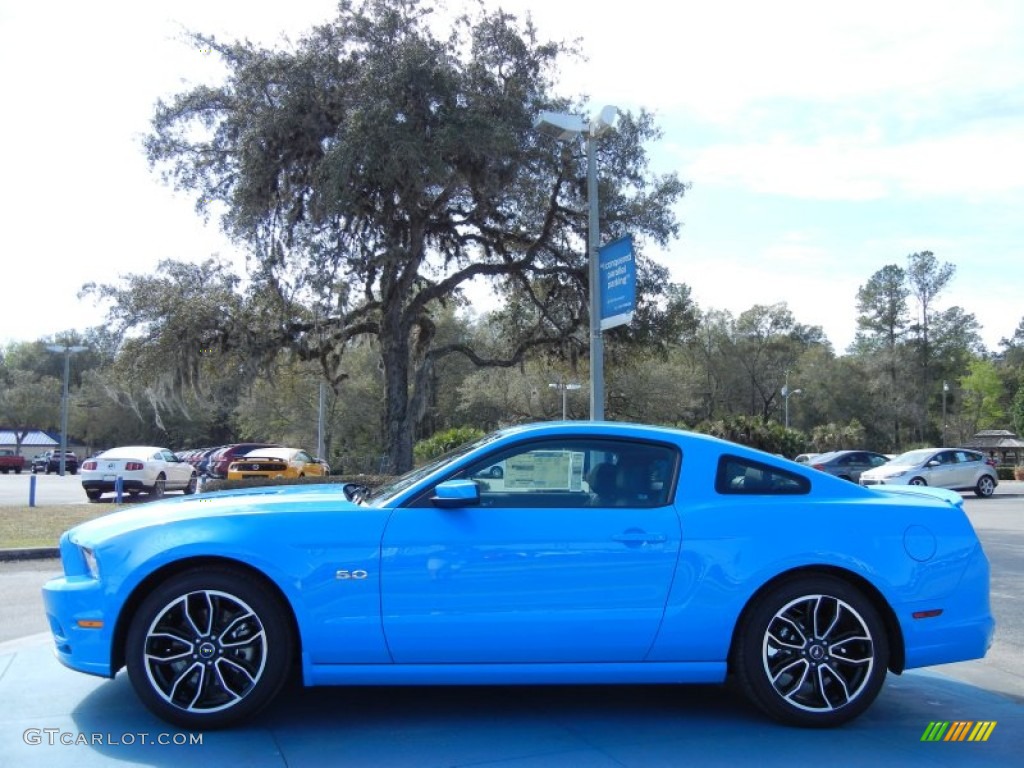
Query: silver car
[[957, 469]]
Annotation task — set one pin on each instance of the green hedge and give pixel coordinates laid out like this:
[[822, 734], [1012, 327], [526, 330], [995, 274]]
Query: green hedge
[[372, 481], [1005, 473]]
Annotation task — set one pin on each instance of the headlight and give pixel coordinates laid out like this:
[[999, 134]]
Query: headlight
[[895, 474], [90, 562]]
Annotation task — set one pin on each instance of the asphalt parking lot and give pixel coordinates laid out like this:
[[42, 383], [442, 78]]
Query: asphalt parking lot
[[56, 717], [16, 490]]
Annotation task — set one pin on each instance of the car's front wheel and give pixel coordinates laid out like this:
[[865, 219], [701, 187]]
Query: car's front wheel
[[209, 648], [811, 652], [986, 487]]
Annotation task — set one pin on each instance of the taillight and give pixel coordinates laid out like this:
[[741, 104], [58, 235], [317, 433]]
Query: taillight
[[132, 466], [89, 465]]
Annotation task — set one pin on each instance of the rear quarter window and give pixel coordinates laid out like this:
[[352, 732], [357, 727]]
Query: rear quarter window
[[746, 477]]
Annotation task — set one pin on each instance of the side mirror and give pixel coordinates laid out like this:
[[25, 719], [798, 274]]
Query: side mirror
[[456, 493]]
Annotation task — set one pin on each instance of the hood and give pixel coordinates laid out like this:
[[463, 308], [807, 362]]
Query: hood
[[282, 500]]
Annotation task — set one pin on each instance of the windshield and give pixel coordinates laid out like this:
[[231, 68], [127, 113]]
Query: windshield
[[385, 493], [913, 458]]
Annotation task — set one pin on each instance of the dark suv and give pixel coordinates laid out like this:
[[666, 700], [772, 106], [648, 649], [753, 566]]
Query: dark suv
[[49, 461]]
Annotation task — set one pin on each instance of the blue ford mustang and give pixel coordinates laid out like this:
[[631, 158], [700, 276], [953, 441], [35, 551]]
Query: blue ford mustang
[[599, 553]]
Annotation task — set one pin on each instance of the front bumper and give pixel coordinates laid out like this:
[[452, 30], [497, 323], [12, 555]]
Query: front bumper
[[69, 600], [80, 614]]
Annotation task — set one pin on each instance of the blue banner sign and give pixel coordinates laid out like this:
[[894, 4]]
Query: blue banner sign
[[618, 282]]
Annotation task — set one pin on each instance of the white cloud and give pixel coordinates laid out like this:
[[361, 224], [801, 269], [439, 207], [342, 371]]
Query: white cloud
[[975, 164]]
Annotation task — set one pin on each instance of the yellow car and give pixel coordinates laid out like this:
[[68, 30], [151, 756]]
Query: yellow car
[[276, 462]]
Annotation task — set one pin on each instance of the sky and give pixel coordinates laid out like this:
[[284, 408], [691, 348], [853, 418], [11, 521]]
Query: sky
[[823, 142]]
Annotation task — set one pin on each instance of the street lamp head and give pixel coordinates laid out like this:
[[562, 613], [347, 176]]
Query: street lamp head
[[560, 125], [606, 120]]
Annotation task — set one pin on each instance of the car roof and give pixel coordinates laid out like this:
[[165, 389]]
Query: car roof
[[272, 452]]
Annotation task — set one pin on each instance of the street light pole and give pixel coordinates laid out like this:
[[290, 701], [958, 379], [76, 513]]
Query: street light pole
[[594, 278], [945, 391], [68, 351], [561, 385], [786, 394], [564, 127]]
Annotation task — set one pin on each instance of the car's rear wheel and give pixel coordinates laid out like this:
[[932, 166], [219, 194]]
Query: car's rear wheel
[[159, 486], [986, 487], [918, 481], [93, 495], [209, 648], [811, 652]]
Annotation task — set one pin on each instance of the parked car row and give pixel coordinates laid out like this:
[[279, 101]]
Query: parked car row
[[216, 463], [956, 469]]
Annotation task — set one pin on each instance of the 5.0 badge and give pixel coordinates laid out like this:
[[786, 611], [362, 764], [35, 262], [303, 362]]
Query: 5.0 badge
[[346, 574]]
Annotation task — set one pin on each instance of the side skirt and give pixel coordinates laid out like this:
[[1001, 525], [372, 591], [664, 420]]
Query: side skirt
[[513, 674]]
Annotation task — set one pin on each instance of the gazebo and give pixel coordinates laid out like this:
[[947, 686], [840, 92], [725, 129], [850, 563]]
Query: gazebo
[[1000, 444]]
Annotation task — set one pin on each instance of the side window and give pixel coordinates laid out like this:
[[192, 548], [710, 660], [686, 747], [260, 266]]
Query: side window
[[741, 476], [576, 472]]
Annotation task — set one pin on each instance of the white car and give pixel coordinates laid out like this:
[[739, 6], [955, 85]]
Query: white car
[[957, 469], [142, 469]]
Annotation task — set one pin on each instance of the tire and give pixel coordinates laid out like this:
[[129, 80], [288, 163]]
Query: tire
[[159, 487], [811, 652], [179, 664], [17, 471], [193, 484], [94, 495], [918, 481], [986, 487]]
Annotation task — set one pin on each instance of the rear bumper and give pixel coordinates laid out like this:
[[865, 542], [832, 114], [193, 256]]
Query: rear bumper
[[107, 486], [965, 628]]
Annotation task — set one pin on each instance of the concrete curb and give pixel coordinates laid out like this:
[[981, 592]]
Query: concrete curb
[[29, 553]]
